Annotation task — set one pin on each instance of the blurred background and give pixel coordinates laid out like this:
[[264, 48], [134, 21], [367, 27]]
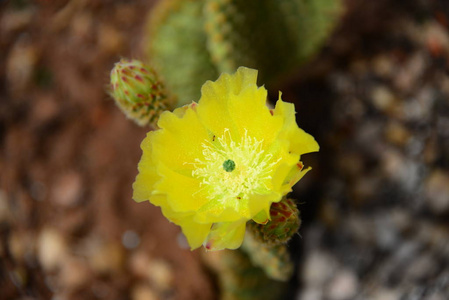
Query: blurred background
[[375, 207]]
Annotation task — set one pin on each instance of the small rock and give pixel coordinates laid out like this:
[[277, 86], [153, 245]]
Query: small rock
[[14, 21], [443, 126], [343, 286], [361, 229], [182, 241], [436, 32], [311, 294], [37, 190], [139, 263], [82, 26], [431, 150], [395, 265], [67, 189], [411, 72], [110, 40], [18, 277], [351, 163], [20, 65], [124, 14], [105, 257], [59, 295], [437, 192], [436, 296], [422, 267], [52, 249], [74, 273], [160, 274], [401, 220], [383, 66], [404, 171], [386, 294], [45, 109], [318, 269], [384, 100], [363, 188], [21, 244], [387, 234], [396, 133], [419, 107], [143, 292], [130, 239], [5, 212]]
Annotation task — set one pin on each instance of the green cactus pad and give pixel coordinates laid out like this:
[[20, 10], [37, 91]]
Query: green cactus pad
[[176, 45], [269, 35], [191, 41]]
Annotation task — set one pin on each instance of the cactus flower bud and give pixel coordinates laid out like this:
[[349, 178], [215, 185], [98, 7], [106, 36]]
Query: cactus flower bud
[[138, 91], [283, 225]]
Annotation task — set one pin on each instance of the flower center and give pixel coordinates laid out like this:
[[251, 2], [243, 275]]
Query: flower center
[[234, 169], [229, 165]]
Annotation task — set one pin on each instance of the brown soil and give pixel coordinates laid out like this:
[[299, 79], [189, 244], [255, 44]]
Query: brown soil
[[68, 160]]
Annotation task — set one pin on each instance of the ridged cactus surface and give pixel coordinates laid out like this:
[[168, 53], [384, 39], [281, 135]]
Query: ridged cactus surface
[[191, 41], [177, 47], [274, 260], [239, 279]]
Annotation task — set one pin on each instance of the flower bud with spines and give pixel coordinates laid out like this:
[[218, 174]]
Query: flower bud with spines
[[138, 92], [283, 225]]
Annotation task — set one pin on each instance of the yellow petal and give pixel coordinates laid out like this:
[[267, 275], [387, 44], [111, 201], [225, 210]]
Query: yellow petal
[[262, 202], [295, 175], [216, 211], [301, 142], [178, 143], [214, 109], [185, 196], [194, 232], [225, 235], [250, 114], [147, 177], [262, 217]]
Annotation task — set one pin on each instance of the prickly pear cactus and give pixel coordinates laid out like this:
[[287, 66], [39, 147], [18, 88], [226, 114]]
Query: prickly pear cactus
[[191, 41]]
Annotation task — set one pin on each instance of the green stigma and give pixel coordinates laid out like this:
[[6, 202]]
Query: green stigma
[[229, 165]]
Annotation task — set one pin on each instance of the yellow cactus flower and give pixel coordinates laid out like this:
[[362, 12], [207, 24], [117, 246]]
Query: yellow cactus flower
[[215, 165]]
